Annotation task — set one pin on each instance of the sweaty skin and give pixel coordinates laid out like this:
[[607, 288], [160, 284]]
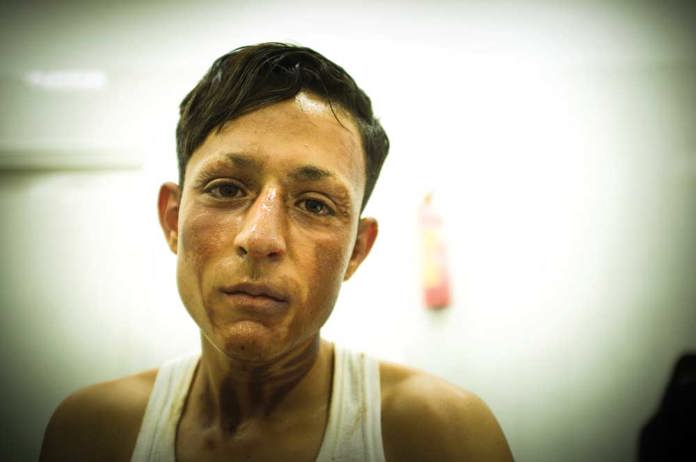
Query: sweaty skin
[[273, 198], [266, 228]]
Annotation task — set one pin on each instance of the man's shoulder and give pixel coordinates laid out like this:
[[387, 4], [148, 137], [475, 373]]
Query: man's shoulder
[[99, 422], [427, 418]]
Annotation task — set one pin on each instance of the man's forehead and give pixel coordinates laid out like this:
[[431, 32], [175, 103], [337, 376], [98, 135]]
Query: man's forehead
[[311, 103], [294, 133], [305, 115]]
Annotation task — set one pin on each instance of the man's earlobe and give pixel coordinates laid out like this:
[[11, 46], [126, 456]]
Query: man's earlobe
[[367, 233], [168, 209]]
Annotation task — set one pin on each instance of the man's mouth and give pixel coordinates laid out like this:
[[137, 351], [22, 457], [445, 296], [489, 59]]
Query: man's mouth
[[256, 291]]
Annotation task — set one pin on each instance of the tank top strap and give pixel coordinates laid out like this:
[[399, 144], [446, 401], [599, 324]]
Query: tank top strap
[[354, 430], [156, 439]]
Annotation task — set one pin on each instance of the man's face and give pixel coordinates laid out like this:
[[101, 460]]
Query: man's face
[[268, 227]]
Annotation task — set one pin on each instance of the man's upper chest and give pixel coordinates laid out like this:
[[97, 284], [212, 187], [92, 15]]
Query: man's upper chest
[[296, 438]]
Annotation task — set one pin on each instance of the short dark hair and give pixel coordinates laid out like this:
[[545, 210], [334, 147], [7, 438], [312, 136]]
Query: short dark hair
[[251, 77]]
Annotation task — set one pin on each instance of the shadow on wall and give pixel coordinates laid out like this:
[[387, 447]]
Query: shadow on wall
[[670, 434]]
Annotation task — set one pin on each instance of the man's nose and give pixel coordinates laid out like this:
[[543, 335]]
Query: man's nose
[[261, 235]]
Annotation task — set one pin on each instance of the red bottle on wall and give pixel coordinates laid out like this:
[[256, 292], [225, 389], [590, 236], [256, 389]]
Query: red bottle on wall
[[436, 283]]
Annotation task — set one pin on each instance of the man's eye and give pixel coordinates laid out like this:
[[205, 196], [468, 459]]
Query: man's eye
[[224, 190], [317, 207]]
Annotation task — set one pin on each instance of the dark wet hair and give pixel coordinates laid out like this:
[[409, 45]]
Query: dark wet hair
[[255, 76]]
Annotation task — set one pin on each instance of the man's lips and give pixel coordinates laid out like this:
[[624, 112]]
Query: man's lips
[[256, 290]]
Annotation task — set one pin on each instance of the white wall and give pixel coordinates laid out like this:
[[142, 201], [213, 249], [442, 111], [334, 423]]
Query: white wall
[[558, 142]]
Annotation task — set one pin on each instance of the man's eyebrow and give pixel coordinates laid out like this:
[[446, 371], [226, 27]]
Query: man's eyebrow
[[243, 161], [225, 160], [304, 173], [310, 173]]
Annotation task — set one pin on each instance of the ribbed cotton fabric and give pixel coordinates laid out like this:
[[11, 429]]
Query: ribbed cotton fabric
[[353, 432], [157, 434]]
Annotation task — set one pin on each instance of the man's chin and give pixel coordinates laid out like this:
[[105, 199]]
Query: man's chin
[[248, 341]]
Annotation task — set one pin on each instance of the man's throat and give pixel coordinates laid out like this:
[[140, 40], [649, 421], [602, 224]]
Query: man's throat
[[228, 394]]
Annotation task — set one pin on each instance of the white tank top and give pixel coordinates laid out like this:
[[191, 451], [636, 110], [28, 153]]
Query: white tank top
[[353, 432]]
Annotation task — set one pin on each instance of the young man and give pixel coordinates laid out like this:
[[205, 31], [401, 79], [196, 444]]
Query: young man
[[278, 154]]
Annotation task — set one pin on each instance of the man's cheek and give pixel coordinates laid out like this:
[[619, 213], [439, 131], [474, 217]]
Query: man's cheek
[[201, 238], [199, 242], [329, 265]]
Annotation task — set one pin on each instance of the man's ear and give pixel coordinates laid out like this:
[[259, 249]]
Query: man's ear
[[367, 233], [168, 208]]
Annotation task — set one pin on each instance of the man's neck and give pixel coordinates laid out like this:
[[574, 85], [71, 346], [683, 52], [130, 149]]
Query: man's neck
[[227, 392]]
